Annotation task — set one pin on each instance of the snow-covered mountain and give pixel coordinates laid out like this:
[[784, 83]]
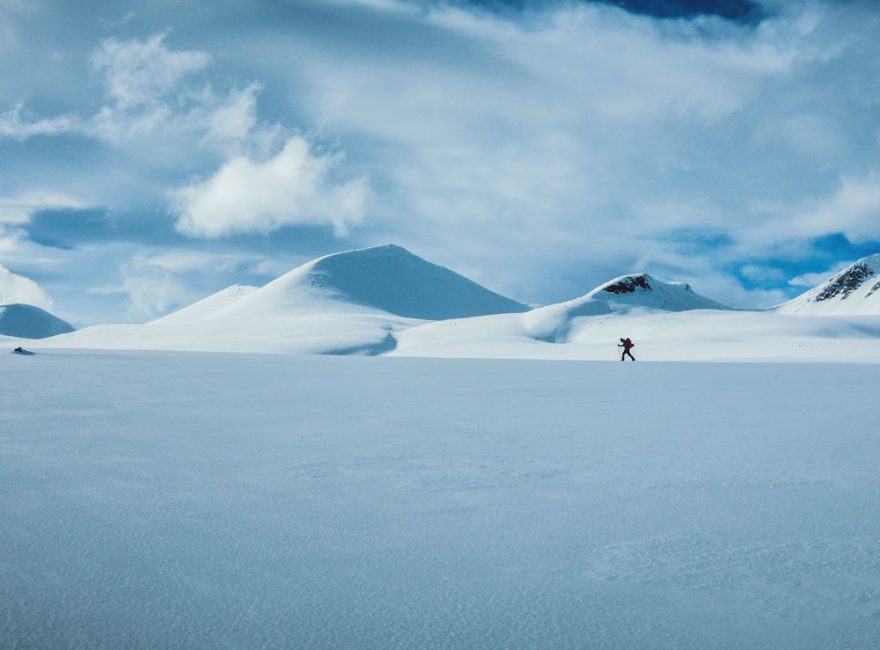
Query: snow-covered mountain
[[854, 290], [642, 290], [29, 322], [387, 278], [623, 294], [385, 300], [344, 303]]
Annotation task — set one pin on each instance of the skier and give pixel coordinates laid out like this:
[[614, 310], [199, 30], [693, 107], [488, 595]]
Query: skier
[[21, 350], [627, 345]]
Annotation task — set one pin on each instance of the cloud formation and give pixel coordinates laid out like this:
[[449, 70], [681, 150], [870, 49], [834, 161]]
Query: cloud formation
[[138, 73], [16, 288], [540, 151], [17, 126], [292, 187]]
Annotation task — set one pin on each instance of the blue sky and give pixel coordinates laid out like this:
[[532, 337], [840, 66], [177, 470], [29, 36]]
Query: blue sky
[[154, 152]]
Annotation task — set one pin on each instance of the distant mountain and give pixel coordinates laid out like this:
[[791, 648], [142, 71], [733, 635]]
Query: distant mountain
[[852, 291], [385, 278], [29, 322], [622, 294], [642, 290], [387, 301]]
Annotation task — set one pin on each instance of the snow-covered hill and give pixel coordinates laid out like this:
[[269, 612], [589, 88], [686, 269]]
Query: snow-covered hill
[[623, 295], [854, 290], [385, 300], [387, 278], [642, 290], [29, 322], [345, 303], [623, 299]]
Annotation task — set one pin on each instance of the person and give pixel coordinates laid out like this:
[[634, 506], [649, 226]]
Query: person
[[627, 345]]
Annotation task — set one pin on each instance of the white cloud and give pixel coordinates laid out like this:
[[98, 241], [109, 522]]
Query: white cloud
[[16, 288], [810, 280], [138, 73], [186, 260], [234, 119], [149, 97], [152, 294], [155, 282], [293, 187], [15, 124], [584, 136], [853, 210], [541, 153], [149, 290]]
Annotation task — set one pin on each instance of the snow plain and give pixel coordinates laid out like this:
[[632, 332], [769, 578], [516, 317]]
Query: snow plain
[[186, 500]]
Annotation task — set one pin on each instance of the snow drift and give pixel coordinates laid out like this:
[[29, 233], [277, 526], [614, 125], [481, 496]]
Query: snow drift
[[29, 322]]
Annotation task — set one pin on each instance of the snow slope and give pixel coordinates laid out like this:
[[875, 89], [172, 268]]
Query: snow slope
[[29, 322], [199, 311], [668, 322], [854, 290], [699, 335], [151, 500]]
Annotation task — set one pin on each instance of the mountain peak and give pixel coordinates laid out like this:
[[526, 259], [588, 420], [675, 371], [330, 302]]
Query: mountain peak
[[387, 278], [853, 290], [393, 279], [643, 290], [628, 284]]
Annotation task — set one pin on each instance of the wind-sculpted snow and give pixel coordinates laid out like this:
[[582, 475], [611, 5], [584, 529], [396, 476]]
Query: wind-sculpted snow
[[29, 322], [239, 501]]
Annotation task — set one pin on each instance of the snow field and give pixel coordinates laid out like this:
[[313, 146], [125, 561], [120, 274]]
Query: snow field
[[208, 501]]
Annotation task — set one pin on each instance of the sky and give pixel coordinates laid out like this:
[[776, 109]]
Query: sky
[[152, 153]]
